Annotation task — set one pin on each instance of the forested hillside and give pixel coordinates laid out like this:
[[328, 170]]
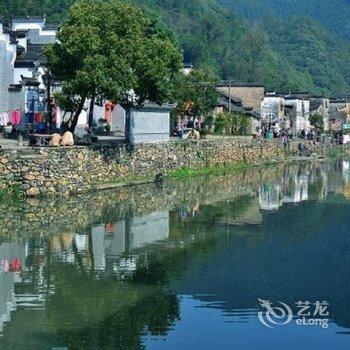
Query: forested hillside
[[332, 14], [250, 41]]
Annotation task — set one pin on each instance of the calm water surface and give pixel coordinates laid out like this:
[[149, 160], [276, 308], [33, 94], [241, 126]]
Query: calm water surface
[[185, 265]]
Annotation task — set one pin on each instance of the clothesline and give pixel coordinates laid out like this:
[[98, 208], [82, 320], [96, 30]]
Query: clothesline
[[11, 110]]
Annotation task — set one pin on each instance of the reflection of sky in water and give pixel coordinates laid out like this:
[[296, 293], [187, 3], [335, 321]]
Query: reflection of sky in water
[[285, 240], [205, 327]]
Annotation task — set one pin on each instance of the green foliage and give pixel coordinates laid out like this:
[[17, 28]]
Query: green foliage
[[207, 32], [221, 124], [196, 91], [286, 51], [105, 57], [333, 14], [316, 120], [186, 172], [11, 195], [232, 124], [251, 56], [319, 59], [238, 123], [307, 49]]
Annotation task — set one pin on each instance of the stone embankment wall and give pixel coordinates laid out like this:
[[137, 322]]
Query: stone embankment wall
[[65, 171], [77, 213]]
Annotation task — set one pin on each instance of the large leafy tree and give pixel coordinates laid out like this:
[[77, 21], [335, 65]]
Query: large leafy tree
[[316, 120], [196, 93], [107, 50]]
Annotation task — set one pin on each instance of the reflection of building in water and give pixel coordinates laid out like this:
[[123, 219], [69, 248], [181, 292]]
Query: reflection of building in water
[[306, 181], [295, 188], [270, 196], [345, 190], [149, 229], [250, 216], [107, 247], [346, 170], [104, 248], [11, 276], [108, 242], [111, 240]]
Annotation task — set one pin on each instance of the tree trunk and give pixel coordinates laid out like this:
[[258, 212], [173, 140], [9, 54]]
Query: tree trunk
[[72, 123], [91, 110], [127, 123]]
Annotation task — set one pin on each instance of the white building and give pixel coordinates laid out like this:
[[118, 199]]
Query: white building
[[22, 63], [286, 111], [272, 109], [298, 113], [7, 60]]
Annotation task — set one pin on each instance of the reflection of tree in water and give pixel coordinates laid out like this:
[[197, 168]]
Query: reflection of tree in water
[[96, 310], [90, 313]]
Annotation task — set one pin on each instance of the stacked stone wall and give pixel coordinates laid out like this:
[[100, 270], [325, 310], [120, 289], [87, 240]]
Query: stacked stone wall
[[65, 171]]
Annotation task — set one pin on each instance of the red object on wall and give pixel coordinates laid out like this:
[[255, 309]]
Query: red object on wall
[[15, 265]]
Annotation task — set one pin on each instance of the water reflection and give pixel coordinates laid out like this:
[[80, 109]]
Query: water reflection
[[125, 269]]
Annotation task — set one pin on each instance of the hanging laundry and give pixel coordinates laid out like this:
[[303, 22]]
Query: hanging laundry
[[4, 265], [38, 118], [58, 117], [109, 108], [109, 227], [15, 117], [4, 119], [15, 265], [29, 117]]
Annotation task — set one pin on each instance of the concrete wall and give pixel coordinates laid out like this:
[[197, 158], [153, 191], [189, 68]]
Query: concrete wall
[[149, 125]]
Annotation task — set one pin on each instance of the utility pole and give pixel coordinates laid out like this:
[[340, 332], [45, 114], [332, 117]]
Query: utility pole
[[229, 96]]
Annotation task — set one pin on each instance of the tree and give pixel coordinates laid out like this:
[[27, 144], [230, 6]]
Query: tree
[[251, 55], [196, 93], [233, 123], [112, 57], [316, 120]]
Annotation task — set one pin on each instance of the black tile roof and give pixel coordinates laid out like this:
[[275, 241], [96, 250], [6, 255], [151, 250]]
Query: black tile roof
[[15, 87], [29, 81], [234, 99], [51, 26], [315, 104], [19, 33], [252, 85], [28, 18], [34, 52]]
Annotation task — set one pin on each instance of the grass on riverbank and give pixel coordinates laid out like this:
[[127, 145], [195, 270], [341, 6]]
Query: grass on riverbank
[[186, 172], [11, 195]]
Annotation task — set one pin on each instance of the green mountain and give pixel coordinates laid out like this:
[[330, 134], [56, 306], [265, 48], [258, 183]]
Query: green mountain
[[284, 44], [332, 14]]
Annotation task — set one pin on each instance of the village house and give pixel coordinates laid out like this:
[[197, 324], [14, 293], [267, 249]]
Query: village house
[[7, 59], [23, 70], [26, 85], [339, 113], [272, 109], [320, 105], [286, 111], [242, 98]]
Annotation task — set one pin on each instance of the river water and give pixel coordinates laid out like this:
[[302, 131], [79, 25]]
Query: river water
[[258, 259]]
